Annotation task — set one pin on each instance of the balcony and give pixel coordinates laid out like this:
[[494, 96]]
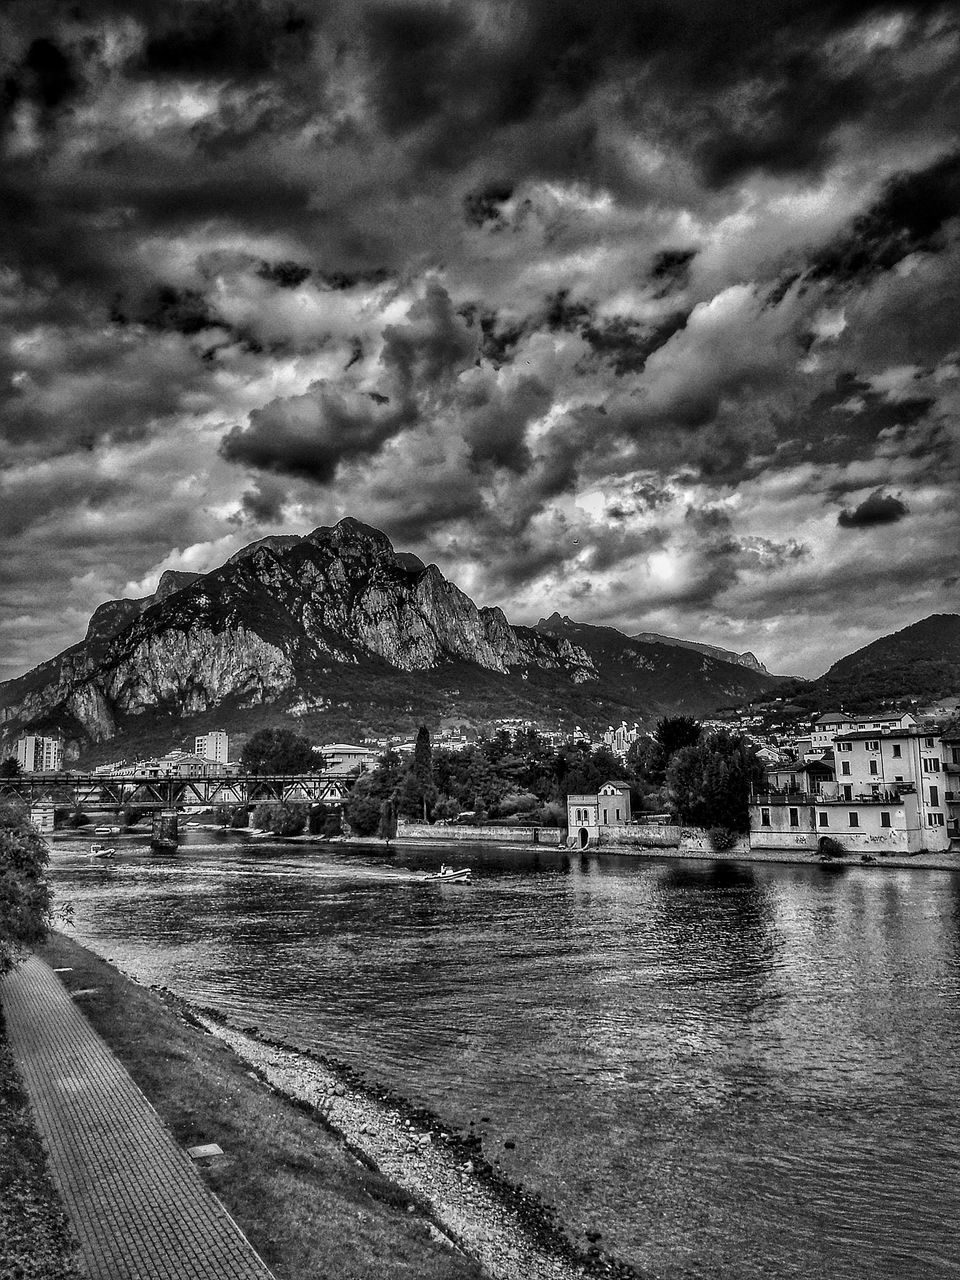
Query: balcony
[[832, 794]]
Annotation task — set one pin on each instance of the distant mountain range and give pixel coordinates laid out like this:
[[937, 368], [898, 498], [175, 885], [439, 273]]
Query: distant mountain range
[[337, 633], [749, 660]]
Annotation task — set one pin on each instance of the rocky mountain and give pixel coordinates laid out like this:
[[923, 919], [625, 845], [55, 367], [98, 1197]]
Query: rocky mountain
[[748, 660], [337, 632], [113, 615]]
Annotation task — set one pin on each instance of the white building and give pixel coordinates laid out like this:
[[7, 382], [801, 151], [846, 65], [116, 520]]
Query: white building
[[341, 759], [36, 754], [213, 746], [826, 727], [890, 795], [589, 815], [620, 739]]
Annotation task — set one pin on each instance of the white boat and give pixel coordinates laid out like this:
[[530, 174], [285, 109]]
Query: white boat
[[106, 831], [449, 876], [101, 851]]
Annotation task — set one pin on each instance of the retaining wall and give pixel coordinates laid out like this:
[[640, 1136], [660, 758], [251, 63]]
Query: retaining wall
[[550, 836]]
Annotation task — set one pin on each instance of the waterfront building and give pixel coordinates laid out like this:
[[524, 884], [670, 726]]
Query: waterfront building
[[589, 815], [887, 795], [951, 777], [37, 754], [213, 746]]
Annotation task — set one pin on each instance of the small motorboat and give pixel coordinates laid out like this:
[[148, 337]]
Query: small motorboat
[[106, 831], [449, 876], [101, 851]]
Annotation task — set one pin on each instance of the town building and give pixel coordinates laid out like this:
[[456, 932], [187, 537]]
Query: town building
[[213, 746], [340, 759], [620, 740], [826, 727], [37, 754], [887, 795], [589, 816]]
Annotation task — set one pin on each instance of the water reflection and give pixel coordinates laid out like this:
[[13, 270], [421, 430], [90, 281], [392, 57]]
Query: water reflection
[[730, 1069]]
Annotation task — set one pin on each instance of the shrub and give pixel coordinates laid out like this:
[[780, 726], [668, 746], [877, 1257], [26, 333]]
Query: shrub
[[722, 839], [828, 847], [26, 911]]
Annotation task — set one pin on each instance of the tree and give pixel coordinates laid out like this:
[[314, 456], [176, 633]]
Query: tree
[[676, 732], [10, 767], [387, 826], [281, 819], [26, 910], [279, 751], [709, 782], [418, 791]]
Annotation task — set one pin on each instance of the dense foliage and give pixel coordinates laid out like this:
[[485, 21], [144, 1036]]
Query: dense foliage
[[25, 897], [709, 782], [522, 779], [279, 751], [280, 819]]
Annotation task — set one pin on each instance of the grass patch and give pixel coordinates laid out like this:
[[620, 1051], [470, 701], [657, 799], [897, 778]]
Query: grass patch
[[35, 1239], [307, 1206]]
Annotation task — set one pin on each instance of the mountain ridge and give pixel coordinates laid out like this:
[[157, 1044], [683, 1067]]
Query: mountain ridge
[[317, 629]]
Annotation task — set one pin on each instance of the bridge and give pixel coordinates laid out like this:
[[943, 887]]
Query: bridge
[[170, 791]]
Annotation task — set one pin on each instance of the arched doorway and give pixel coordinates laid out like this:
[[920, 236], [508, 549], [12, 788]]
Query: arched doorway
[[584, 837]]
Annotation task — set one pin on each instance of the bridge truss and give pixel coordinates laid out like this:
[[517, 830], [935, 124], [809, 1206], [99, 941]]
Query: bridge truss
[[95, 791]]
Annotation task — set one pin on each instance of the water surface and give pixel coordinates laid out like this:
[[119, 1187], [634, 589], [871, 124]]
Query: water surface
[[729, 1070]]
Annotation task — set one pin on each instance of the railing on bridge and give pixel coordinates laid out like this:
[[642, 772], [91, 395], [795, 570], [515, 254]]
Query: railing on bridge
[[170, 791]]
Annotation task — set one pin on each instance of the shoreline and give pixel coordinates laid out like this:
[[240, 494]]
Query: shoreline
[[440, 1175], [509, 1231], [949, 860]]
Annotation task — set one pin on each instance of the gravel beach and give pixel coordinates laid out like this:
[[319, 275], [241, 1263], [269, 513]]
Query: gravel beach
[[505, 1229]]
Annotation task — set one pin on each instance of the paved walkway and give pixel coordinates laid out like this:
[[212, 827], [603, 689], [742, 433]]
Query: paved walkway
[[139, 1207]]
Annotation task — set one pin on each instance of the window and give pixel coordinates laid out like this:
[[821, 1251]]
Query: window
[[929, 742], [934, 819], [884, 819], [618, 815], [794, 817], [844, 746], [848, 793], [764, 817], [845, 768], [931, 766], [823, 820], [897, 751], [605, 817], [854, 819], [874, 767], [873, 745], [934, 795], [955, 755]]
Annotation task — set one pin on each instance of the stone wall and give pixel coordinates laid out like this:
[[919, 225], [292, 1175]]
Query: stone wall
[[677, 839], [550, 836]]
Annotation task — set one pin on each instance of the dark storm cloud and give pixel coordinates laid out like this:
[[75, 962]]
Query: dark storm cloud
[[879, 508], [311, 434], [910, 215], [239, 39]]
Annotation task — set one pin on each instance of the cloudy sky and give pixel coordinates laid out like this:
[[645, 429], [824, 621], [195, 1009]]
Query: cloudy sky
[[647, 311]]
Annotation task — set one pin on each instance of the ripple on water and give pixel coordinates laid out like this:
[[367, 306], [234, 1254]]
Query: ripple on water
[[734, 1070]]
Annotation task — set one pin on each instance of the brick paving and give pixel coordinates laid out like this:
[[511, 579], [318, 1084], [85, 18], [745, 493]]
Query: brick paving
[[139, 1208]]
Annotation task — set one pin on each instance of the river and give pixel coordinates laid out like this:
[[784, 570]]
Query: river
[[729, 1070]]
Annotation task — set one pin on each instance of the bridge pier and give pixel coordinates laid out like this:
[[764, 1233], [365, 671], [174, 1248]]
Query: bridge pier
[[165, 834]]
